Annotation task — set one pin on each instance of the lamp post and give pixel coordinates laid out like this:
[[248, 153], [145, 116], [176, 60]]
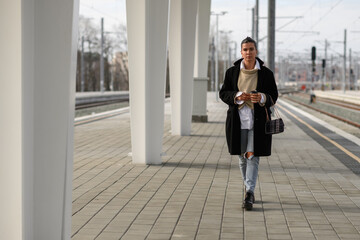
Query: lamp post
[[344, 72], [231, 54], [225, 63], [216, 52], [101, 57], [82, 69]]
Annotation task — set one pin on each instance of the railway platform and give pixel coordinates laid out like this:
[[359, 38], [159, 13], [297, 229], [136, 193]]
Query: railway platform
[[347, 96], [309, 188]]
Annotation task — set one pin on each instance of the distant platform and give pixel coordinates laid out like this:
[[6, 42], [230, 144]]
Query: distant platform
[[98, 94], [347, 96]]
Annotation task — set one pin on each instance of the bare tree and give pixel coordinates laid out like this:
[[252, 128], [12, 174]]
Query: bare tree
[[114, 41], [90, 33], [116, 53]]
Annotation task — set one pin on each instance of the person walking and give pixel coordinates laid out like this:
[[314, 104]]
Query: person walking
[[249, 87]]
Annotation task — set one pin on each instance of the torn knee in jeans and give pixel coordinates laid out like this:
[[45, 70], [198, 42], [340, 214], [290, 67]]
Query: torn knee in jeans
[[248, 155]]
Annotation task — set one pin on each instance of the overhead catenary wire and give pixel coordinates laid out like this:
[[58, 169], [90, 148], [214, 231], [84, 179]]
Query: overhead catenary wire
[[317, 22], [100, 12], [323, 16], [306, 11]]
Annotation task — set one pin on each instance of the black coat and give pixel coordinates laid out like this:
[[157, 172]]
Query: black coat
[[266, 84]]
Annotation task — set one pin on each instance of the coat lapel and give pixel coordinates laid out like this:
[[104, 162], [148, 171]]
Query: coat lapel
[[235, 77], [260, 80]]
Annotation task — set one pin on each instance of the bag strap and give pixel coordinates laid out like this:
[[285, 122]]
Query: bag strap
[[267, 115], [275, 108]]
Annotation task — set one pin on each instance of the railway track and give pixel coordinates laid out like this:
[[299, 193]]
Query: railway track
[[104, 102], [99, 103], [353, 109], [347, 105], [352, 106]]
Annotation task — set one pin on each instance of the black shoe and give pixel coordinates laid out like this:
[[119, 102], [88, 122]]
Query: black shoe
[[249, 201], [245, 196]]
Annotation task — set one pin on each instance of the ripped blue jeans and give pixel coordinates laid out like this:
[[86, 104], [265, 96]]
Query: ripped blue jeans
[[248, 166]]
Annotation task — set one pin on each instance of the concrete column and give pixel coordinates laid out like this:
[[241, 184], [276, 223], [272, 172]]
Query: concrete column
[[11, 144], [271, 35], [256, 23], [37, 72], [344, 62], [199, 113], [253, 23], [202, 38], [147, 23], [181, 61]]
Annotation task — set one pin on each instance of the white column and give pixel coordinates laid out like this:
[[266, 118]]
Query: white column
[[181, 61], [201, 61], [11, 208], [147, 23], [202, 39], [37, 72]]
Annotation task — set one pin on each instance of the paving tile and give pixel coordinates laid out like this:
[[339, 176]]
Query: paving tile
[[159, 237], [109, 236], [279, 237]]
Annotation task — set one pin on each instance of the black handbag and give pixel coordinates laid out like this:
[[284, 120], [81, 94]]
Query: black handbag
[[274, 126]]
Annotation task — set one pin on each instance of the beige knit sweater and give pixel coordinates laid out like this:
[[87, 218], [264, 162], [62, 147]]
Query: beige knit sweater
[[247, 82]]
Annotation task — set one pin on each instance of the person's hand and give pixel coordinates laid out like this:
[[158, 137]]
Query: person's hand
[[255, 97], [243, 97]]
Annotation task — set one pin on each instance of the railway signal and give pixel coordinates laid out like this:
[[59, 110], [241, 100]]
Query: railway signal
[[313, 57], [313, 53]]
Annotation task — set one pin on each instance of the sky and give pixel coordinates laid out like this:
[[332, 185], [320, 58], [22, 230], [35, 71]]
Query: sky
[[327, 20]]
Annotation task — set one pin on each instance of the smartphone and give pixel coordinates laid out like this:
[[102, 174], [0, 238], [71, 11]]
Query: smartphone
[[252, 92]]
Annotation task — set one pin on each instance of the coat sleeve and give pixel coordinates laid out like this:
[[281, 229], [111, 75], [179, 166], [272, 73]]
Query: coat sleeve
[[271, 89], [227, 92]]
